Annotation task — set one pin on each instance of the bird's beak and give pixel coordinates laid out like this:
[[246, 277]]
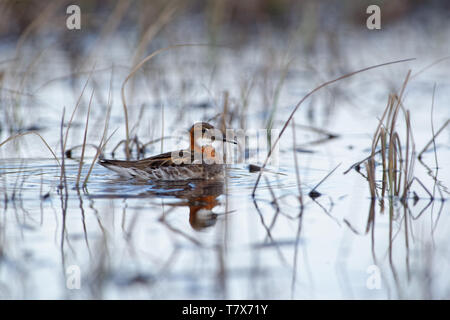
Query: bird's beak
[[230, 141]]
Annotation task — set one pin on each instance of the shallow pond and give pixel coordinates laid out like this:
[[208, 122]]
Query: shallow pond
[[200, 239]]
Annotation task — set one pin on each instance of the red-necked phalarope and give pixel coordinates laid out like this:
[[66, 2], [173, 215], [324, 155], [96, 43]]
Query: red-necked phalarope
[[194, 163]]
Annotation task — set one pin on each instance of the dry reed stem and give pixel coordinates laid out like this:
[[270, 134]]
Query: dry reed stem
[[42, 18], [387, 135], [109, 27], [62, 177], [103, 142], [433, 139], [72, 75], [75, 110], [162, 129], [167, 12], [323, 179], [36, 133], [131, 74], [297, 171], [408, 166], [84, 140], [429, 66], [348, 75]]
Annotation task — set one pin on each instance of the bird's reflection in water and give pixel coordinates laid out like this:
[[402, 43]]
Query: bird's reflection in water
[[199, 195], [201, 203]]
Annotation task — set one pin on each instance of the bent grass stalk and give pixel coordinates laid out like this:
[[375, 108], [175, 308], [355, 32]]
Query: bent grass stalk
[[132, 73], [103, 142], [37, 134], [84, 140], [433, 138], [325, 84], [397, 168], [100, 148], [75, 109]]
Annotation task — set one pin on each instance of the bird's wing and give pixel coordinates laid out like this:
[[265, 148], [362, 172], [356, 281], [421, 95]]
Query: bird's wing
[[163, 159]]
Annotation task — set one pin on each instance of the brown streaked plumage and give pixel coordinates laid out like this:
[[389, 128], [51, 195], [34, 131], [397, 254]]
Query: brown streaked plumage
[[163, 166]]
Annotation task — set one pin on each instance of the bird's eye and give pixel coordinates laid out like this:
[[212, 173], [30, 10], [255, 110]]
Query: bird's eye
[[203, 130]]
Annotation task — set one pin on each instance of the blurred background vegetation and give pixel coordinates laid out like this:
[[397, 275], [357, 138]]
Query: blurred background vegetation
[[217, 16]]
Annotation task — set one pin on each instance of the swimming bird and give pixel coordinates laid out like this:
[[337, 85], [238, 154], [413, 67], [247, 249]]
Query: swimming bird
[[197, 162]]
